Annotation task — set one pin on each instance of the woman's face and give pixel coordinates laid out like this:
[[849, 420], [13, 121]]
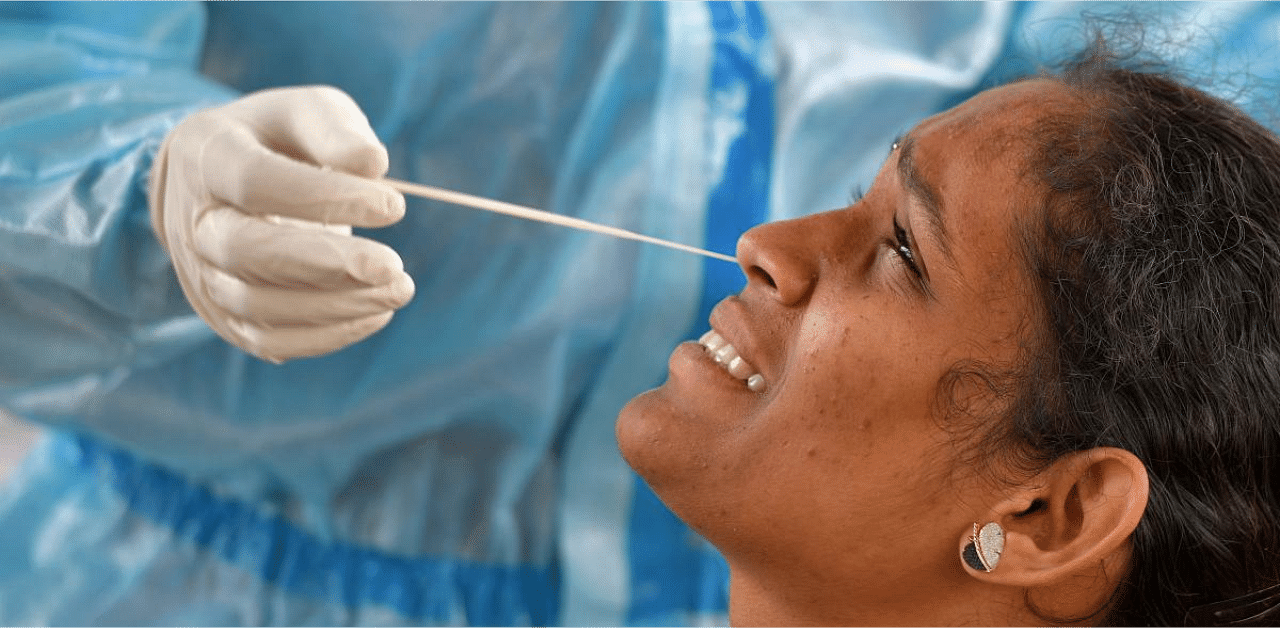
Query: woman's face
[[842, 467]]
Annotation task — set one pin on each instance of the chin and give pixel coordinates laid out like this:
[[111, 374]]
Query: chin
[[661, 443], [675, 457], [643, 430]]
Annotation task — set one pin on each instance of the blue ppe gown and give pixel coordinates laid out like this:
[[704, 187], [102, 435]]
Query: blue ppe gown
[[459, 466]]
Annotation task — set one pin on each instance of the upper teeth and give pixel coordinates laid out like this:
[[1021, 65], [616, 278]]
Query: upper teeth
[[726, 356]]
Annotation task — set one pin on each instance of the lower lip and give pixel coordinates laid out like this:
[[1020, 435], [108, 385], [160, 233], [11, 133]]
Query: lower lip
[[694, 361]]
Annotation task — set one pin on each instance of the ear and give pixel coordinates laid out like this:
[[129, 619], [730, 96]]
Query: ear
[[1069, 518]]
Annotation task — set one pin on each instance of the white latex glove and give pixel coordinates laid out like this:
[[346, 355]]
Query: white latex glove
[[255, 200]]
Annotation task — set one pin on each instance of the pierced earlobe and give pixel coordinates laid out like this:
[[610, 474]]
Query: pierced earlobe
[[982, 553]]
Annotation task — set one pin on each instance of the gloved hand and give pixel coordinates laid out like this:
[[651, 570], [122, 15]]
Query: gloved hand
[[255, 200]]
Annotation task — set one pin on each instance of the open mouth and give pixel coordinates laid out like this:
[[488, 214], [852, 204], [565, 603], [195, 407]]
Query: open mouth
[[727, 357]]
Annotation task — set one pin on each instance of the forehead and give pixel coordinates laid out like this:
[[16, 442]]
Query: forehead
[[975, 157], [995, 127]]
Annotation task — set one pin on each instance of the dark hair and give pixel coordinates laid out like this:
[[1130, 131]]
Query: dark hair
[[1158, 258]]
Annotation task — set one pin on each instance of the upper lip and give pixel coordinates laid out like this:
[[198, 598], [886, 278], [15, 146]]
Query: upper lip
[[728, 319]]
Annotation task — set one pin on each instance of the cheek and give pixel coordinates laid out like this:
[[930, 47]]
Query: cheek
[[867, 380], [865, 367]]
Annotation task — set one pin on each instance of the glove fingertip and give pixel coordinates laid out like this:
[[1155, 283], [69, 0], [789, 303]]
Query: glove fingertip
[[364, 159], [376, 265], [394, 207], [401, 290], [381, 206]]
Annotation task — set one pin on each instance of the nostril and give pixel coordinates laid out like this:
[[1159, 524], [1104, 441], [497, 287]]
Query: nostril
[[760, 274], [781, 259]]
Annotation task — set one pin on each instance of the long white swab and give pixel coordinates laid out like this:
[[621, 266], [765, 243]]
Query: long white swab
[[528, 213]]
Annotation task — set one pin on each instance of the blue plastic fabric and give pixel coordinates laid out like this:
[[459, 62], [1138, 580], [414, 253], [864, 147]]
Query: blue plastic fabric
[[459, 466]]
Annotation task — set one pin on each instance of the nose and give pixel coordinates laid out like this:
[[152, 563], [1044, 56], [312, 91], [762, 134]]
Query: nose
[[780, 258]]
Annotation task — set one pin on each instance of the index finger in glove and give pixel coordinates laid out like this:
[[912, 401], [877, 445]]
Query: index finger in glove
[[237, 169], [264, 252]]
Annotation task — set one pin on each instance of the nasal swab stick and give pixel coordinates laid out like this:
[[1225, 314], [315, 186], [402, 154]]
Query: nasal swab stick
[[528, 213]]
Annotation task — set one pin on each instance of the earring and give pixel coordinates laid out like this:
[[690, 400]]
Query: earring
[[984, 548]]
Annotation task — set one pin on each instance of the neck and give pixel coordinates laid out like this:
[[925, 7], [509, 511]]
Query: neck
[[790, 599], [753, 602]]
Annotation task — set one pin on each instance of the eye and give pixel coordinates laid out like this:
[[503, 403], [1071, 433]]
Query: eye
[[903, 248]]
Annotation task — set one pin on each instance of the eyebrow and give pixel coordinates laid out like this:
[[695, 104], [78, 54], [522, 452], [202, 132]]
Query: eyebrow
[[924, 191]]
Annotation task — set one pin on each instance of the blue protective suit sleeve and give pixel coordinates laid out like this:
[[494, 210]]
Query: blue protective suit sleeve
[[87, 92]]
